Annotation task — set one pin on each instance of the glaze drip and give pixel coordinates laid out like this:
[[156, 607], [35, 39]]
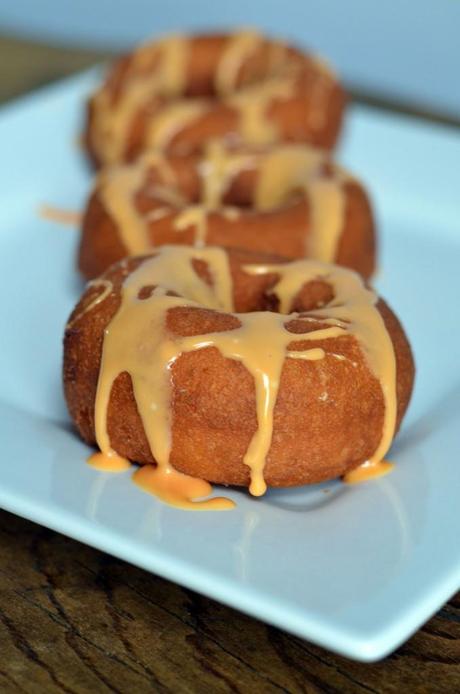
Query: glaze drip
[[240, 46], [108, 463], [59, 215], [297, 167], [172, 119], [252, 104], [368, 471], [353, 309], [144, 85]]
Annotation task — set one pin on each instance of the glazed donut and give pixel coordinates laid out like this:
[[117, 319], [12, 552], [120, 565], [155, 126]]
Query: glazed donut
[[237, 368], [289, 199], [176, 93]]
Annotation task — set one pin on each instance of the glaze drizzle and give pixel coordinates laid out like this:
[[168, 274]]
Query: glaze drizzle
[[155, 82], [281, 171], [137, 341]]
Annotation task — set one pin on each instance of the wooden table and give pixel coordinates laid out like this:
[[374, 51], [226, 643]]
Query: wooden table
[[76, 620]]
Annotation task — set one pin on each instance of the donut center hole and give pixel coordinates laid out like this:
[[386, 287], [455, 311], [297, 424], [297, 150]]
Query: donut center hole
[[255, 293], [235, 183]]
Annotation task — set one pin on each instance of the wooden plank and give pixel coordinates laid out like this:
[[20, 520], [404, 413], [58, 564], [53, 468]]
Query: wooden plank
[[73, 619]]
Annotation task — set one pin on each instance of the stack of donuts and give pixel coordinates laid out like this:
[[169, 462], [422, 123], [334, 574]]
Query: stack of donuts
[[227, 334]]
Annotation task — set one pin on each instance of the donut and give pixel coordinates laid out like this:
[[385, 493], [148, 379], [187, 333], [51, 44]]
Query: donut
[[235, 368], [176, 93], [290, 199]]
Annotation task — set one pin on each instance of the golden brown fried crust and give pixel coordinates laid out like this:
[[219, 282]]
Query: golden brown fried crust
[[100, 243], [315, 437], [292, 117], [284, 230]]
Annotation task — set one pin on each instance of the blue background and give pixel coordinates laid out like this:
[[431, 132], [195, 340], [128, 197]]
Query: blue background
[[408, 50]]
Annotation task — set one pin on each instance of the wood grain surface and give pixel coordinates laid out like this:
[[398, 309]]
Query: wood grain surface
[[75, 620]]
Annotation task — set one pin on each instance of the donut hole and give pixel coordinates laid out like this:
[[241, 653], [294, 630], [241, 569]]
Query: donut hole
[[257, 292], [251, 293], [188, 187], [314, 295]]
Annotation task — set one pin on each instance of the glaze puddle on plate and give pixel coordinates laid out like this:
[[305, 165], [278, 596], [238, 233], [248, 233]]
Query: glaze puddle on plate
[[354, 568]]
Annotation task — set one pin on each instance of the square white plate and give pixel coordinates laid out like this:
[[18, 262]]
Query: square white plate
[[355, 569]]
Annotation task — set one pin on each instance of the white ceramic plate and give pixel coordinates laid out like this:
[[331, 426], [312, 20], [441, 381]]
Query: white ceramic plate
[[355, 569]]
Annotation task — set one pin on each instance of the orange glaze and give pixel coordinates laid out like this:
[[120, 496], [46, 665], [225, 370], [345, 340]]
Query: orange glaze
[[368, 471], [285, 168], [59, 215], [170, 486], [108, 462], [352, 311], [112, 120], [181, 491]]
